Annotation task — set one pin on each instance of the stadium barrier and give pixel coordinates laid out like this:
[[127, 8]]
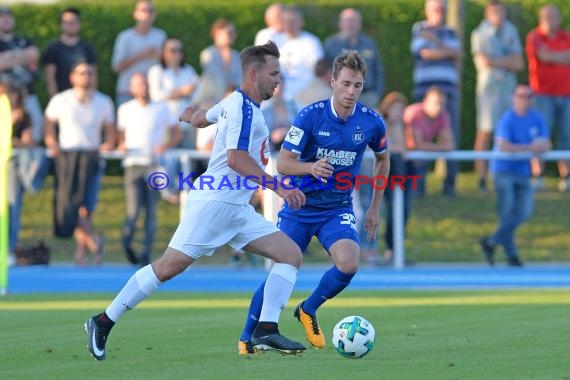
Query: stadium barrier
[[271, 204]]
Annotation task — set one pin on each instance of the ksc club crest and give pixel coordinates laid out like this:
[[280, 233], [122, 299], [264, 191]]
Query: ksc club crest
[[357, 136]]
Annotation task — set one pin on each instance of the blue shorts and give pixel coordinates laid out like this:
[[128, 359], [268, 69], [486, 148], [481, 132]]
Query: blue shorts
[[328, 226]]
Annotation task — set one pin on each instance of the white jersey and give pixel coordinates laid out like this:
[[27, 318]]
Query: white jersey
[[240, 126]]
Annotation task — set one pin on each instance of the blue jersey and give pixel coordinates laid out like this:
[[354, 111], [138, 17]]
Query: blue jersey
[[518, 129], [317, 133]]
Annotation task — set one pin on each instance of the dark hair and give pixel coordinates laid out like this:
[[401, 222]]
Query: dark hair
[[350, 59], [220, 24], [79, 62], [73, 10], [255, 55], [163, 62], [322, 66]]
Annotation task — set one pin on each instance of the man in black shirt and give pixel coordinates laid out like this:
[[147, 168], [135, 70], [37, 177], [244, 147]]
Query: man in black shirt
[[61, 55]]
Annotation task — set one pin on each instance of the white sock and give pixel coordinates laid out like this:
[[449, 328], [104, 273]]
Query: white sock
[[278, 288], [140, 286]]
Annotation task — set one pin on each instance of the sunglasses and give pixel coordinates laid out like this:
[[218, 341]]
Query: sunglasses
[[527, 96]]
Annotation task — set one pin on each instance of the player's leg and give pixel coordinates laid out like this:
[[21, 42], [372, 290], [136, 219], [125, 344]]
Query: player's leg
[[345, 255], [340, 238], [245, 346], [190, 241], [277, 290], [263, 238], [301, 234], [140, 286]]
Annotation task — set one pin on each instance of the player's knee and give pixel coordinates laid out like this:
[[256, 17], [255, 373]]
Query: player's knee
[[347, 264], [348, 267], [294, 258], [170, 265]]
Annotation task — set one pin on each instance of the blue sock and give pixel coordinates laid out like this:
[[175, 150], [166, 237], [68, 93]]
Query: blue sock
[[333, 282], [253, 313]]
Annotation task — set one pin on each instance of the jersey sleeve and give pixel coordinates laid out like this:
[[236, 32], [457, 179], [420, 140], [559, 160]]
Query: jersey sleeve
[[299, 133], [239, 118], [379, 142]]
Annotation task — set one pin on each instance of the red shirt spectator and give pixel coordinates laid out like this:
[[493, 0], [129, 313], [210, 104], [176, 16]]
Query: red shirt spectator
[[548, 73]]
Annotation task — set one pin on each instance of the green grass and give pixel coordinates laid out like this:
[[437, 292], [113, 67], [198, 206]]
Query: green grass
[[419, 335], [440, 229]]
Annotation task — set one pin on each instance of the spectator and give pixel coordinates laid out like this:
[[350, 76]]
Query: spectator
[[82, 114], [21, 138], [19, 64], [319, 87], [351, 37], [436, 50], [520, 129], [497, 54], [68, 49], [136, 49], [221, 59], [428, 127], [278, 114], [147, 129], [274, 29], [174, 82], [548, 53], [299, 53], [392, 110]]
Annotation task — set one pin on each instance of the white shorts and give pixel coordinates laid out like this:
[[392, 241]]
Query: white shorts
[[207, 225]]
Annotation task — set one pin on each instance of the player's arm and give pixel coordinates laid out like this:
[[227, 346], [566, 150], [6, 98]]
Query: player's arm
[[288, 164], [381, 172], [241, 162], [200, 117]]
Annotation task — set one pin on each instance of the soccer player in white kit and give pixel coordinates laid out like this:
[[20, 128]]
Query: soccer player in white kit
[[220, 212]]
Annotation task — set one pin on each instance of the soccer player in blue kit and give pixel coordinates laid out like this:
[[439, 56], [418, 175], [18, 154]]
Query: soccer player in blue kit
[[321, 153]]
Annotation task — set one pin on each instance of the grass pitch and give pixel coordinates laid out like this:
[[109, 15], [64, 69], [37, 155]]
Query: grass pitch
[[419, 335]]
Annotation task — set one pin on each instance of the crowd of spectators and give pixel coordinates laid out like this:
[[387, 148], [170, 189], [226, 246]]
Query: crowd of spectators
[[155, 84]]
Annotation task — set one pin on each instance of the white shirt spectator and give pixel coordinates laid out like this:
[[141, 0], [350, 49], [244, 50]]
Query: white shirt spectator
[[267, 34], [298, 59], [145, 128], [80, 124], [163, 80]]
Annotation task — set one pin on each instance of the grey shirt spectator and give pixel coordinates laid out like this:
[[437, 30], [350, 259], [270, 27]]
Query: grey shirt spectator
[[351, 37], [136, 49]]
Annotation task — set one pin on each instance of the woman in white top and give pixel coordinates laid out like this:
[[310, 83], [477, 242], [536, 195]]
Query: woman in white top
[[175, 82]]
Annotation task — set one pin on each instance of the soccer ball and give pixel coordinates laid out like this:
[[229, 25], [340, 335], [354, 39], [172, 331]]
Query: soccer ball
[[353, 337]]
